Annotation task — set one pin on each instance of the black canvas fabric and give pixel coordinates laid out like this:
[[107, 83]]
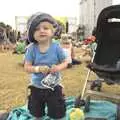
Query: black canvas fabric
[[108, 45]]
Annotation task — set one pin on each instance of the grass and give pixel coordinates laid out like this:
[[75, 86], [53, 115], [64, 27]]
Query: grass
[[14, 81]]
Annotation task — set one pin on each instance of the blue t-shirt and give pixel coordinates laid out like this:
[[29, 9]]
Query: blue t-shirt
[[53, 56]]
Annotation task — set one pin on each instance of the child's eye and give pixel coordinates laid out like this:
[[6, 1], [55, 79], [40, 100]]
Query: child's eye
[[46, 28], [37, 28]]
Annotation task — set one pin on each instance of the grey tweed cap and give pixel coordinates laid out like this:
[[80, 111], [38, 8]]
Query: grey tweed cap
[[35, 20]]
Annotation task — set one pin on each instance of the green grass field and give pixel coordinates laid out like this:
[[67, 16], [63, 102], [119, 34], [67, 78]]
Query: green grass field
[[14, 81]]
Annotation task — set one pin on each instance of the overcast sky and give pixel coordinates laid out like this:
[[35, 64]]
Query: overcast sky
[[116, 1], [11, 8]]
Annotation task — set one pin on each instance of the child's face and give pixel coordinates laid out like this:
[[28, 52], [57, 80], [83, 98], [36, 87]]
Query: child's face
[[44, 31]]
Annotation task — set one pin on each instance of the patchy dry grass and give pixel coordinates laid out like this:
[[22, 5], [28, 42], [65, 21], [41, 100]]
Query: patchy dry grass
[[14, 81]]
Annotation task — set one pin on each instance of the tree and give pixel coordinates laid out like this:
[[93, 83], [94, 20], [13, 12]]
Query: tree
[[2, 25]]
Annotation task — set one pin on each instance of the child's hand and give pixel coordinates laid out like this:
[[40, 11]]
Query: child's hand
[[43, 69], [55, 68]]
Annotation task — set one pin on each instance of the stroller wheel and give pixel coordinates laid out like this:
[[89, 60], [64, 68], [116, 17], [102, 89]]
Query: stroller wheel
[[92, 87], [79, 102], [99, 89], [87, 104], [99, 85], [96, 84]]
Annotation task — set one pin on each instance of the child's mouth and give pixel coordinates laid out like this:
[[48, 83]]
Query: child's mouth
[[42, 35]]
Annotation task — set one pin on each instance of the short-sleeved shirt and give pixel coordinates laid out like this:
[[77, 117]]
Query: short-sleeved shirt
[[53, 56], [68, 51]]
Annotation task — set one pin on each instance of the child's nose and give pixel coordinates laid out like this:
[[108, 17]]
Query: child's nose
[[42, 29]]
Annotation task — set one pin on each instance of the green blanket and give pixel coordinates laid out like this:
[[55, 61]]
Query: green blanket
[[98, 109]]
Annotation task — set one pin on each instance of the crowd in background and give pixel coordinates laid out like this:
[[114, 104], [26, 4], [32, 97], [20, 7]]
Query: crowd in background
[[17, 42]]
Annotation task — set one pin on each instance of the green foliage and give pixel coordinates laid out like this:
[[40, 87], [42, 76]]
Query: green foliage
[[62, 25], [2, 24]]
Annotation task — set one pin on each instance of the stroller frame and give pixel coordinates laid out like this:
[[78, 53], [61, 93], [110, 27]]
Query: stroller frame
[[106, 53], [106, 40]]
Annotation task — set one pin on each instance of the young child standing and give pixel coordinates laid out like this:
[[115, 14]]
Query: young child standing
[[67, 46], [43, 58]]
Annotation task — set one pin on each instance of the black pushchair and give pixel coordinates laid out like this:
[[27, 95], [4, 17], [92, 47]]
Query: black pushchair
[[106, 60]]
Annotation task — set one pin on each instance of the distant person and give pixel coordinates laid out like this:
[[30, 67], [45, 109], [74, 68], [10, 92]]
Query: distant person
[[18, 36], [94, 31], [67, 46], [94, 41], [2, 40], [44, 60]]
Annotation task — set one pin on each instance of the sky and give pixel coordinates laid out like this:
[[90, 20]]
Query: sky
[[11, 8], [116, 1]]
